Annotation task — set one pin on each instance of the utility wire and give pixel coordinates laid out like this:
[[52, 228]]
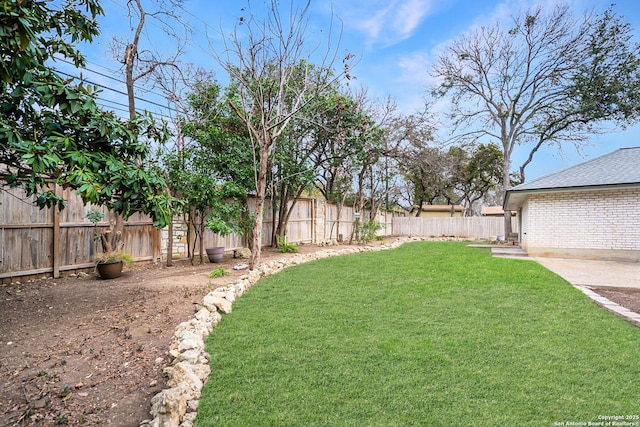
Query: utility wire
[[108, 76], [110, 88]]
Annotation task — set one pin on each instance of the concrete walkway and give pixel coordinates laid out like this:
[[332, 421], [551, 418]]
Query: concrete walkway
[[595, 274], [588, 275]]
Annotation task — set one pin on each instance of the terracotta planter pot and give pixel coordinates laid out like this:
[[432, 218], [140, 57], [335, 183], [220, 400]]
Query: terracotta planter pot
[[215, 254], [109, 270]]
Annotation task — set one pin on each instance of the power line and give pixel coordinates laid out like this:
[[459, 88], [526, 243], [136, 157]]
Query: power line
[[102, 101], [124, 108], [110, 88], [109, 77]]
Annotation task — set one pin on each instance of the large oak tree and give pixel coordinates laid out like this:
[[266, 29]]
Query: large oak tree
[[551, 77]]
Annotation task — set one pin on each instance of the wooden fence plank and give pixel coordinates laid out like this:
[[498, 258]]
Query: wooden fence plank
[[38, 241], [467, 227]]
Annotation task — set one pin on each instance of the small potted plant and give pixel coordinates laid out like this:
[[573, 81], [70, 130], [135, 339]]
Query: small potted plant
[[224, 218], [110, 261], [109, 266]]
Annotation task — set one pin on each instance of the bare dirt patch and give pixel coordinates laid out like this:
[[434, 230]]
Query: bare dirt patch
[[628, 298], [85, 351], [81, 351]]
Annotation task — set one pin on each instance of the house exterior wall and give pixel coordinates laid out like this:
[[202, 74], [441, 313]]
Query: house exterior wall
[[603, 224]]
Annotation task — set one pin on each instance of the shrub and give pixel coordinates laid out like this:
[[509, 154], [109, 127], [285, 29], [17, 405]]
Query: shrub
[[285, 246], [218, 272], [366, 231]]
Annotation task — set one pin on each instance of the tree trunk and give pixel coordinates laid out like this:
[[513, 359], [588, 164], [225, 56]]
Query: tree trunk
[[286, 210], [358, 205], [247, 232], [506, 183], [189, 235], [336, 223], [261, 188], [196, 224], [112, 239], [274, 226], [202, 252], [279, 229]]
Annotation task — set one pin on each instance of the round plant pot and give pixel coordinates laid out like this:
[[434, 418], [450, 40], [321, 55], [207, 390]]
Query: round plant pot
[[215, 254], [109, 270]]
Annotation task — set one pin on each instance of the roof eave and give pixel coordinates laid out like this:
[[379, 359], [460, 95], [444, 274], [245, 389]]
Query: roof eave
[[515, 198]]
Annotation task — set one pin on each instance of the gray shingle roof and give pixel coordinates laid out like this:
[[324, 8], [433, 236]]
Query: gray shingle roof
[[616, 168], [619, 168]]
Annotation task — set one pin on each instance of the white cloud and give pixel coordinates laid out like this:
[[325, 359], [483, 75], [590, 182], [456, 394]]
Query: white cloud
[[373, 25], [414, 68], [385, 22], [409, 16]]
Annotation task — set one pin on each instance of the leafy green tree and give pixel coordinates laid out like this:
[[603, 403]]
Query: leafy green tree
[[338, 121], [471, 173], [211, 124], [480, 174], [211, 202], [551, 78], [212, 172], [364, 162], [319, 142], [52, 131], [425, 168], [455, 176], [406, 134]]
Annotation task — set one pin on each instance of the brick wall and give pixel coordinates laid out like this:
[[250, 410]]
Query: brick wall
[[588, 221]]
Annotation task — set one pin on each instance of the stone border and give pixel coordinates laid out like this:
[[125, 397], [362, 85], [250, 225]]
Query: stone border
[[189, 366], [615, 308]]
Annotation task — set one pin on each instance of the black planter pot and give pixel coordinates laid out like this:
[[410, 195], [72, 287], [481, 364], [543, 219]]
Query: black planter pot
[[109, 270], [215, 254]]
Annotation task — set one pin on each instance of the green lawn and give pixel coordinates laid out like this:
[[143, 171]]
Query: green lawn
[[432, 333]]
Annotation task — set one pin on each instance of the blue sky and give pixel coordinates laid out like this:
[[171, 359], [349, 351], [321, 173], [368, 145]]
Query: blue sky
[[395, 42]]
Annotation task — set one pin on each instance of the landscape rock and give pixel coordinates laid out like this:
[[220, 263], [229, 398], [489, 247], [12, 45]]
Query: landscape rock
[[177, 406], [230, 295], [189, 340], [219, 302], [182, 375], [204, 321], [169, 407], [242, 253]]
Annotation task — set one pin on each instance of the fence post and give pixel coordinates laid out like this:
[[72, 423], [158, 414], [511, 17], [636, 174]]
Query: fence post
[[319, 221], [55, 240]]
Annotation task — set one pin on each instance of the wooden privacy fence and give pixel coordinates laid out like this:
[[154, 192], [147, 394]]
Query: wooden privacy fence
[[311, 221], [48, 241], [473, 227], [51, 242]]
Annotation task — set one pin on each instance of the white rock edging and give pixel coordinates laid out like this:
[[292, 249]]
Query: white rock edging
[[177, 405]]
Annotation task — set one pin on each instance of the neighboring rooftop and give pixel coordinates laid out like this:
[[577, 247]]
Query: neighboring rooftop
[[441, 208], [620, 167]]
